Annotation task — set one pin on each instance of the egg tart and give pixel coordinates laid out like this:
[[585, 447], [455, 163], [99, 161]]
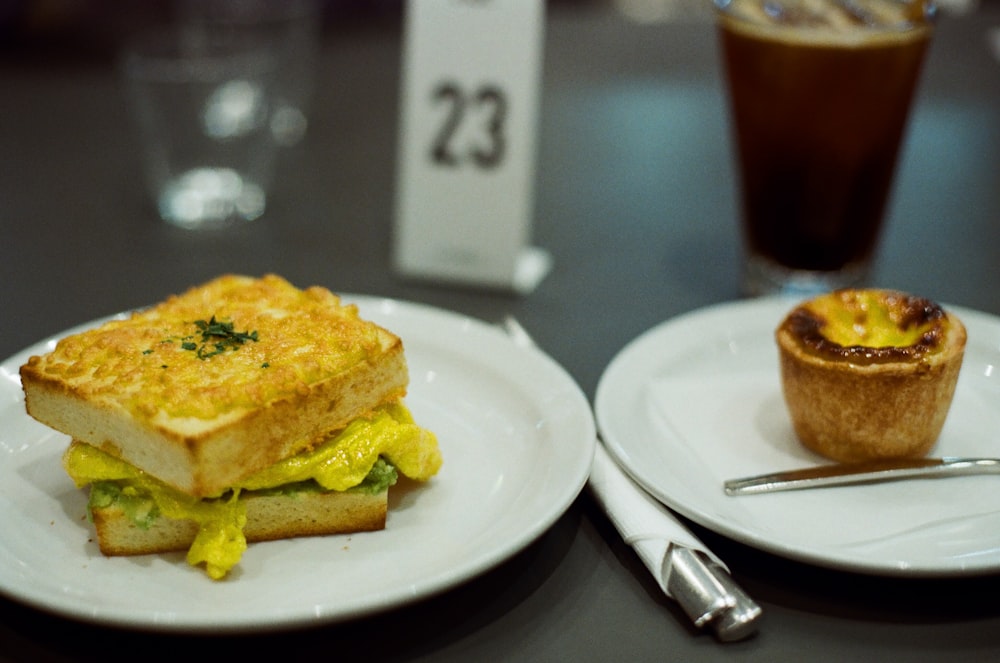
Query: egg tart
[[869, 374]]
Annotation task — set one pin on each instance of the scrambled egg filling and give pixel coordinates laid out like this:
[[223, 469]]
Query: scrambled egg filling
[[865, 319], [341, 463]]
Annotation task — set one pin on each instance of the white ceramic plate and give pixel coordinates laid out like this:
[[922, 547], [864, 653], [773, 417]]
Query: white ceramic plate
[[517, 436], [697, 400]]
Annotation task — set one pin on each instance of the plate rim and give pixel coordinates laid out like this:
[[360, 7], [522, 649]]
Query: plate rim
[[580, 444], [779, 304]]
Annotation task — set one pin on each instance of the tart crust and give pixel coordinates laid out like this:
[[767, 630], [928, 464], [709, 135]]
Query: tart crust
[[857, 402]]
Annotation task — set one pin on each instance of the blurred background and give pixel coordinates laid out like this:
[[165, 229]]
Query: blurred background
[[93, 28], [634, 164]]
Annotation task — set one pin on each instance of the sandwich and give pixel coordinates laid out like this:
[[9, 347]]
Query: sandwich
[[242, 410]]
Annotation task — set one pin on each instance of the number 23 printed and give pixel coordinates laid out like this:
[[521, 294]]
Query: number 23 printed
[[481, 113]]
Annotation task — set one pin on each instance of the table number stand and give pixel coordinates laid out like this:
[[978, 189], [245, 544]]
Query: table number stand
[[466, 164]]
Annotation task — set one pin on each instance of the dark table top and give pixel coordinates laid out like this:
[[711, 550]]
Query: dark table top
[[635, 200]]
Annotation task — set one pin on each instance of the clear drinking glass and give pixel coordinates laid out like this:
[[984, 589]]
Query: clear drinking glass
[[203, 105]]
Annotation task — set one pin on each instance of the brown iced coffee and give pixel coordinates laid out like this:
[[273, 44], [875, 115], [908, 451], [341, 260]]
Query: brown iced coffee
[[820, 91]]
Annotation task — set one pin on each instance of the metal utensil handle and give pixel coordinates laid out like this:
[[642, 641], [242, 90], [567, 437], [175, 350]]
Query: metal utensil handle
[[874, 472]]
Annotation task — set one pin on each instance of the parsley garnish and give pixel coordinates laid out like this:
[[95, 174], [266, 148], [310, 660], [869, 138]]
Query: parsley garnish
[[216, 338]]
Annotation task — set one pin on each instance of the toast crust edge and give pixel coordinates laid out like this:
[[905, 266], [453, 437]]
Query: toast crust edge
[[207, 463], [269, 518]]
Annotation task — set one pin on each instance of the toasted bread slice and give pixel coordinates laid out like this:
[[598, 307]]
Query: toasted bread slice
[[211, 386], [269, 517]]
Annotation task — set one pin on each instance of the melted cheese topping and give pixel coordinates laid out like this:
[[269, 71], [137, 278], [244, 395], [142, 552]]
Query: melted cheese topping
[[340, 463], [150, 362]]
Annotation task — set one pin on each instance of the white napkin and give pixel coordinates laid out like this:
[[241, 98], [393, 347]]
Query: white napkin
[[645, 524]]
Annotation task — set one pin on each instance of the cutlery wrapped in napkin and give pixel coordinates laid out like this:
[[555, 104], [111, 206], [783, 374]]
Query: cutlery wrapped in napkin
[[683, 566]]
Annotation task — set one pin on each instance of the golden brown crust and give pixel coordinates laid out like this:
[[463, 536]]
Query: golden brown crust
[[853, 411], [202, 424], [269, 518]]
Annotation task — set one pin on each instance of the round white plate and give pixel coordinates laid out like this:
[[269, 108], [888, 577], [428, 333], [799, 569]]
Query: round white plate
[[517, 436], [697, 400]]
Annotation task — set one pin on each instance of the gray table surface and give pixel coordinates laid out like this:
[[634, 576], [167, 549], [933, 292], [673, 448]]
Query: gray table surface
[[635, 202]]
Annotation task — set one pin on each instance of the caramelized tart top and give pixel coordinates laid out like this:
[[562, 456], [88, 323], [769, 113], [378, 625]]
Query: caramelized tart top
[[868, 326]]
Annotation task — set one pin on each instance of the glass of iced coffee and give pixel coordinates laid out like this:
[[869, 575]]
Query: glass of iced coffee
[[819, 93]]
